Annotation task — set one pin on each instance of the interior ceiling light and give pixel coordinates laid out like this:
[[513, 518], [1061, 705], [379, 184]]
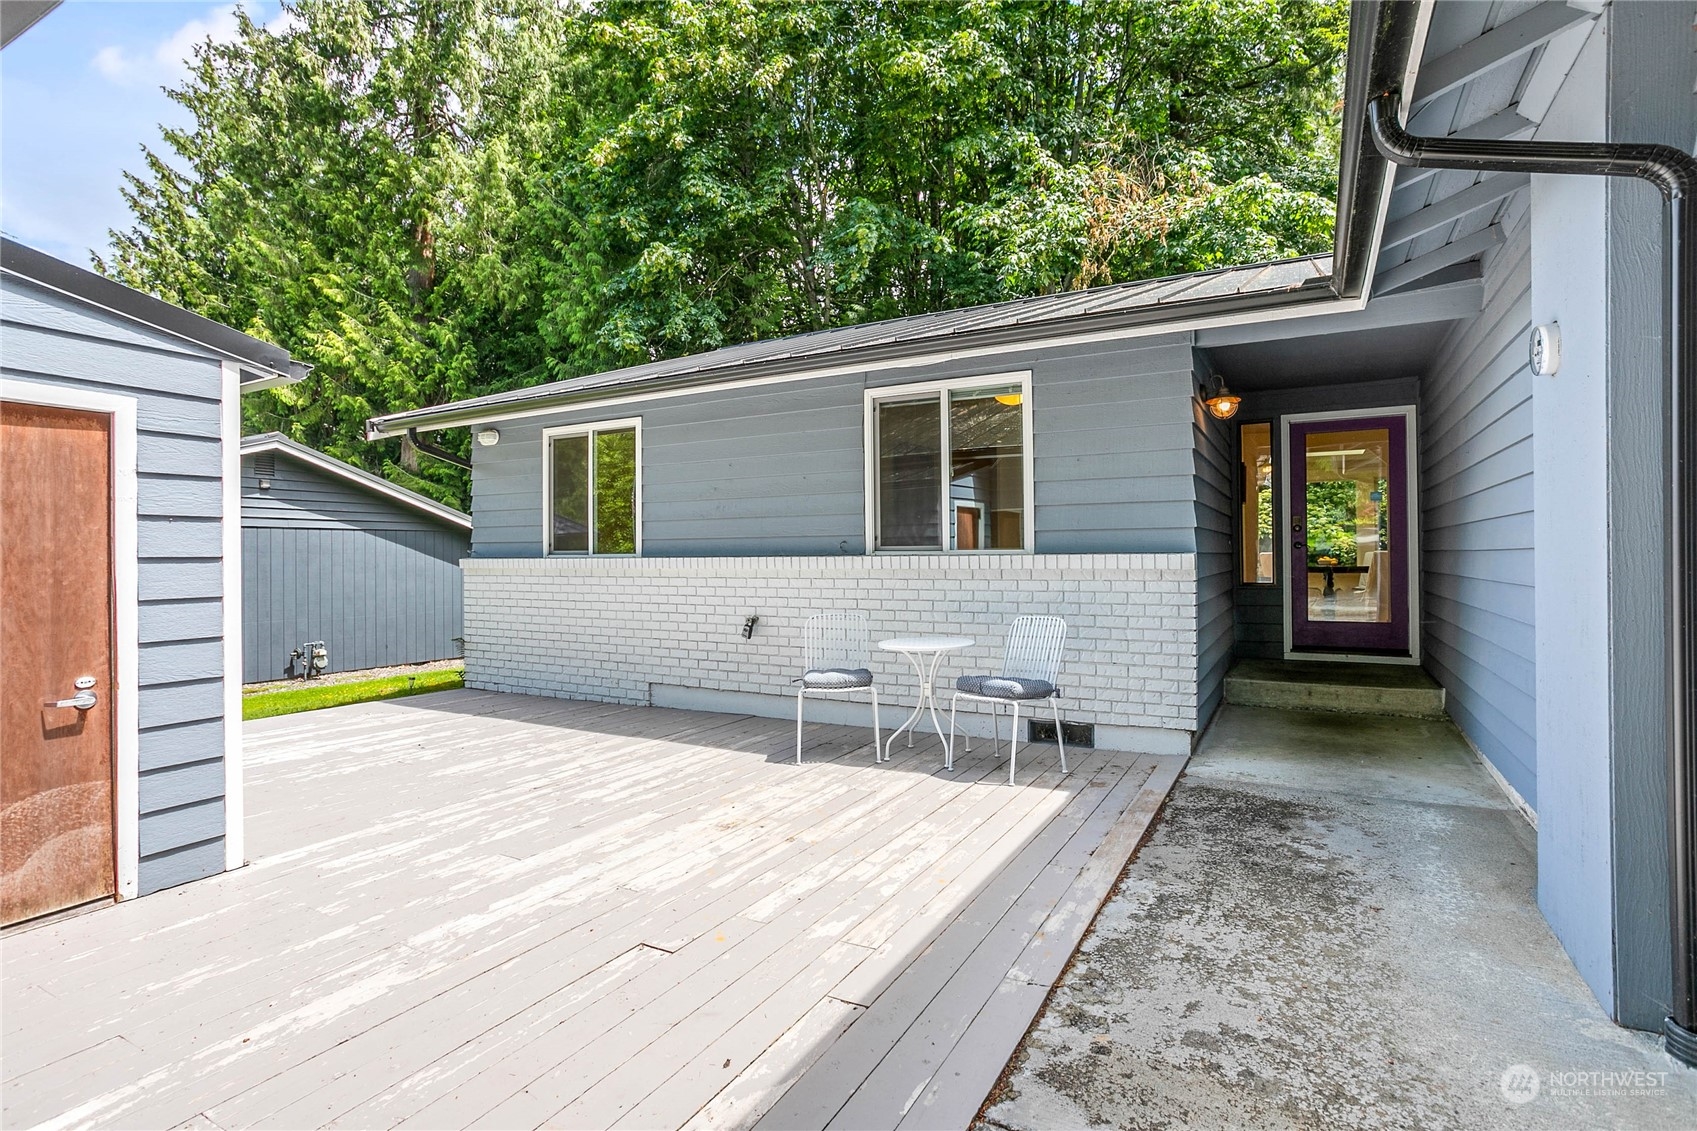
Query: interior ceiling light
[[1009, 398], [1223, 404]]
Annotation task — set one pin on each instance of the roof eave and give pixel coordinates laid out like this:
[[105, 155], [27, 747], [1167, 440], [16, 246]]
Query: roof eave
[[1178, 316], [258, 383], [270, 365], [1382, 60]]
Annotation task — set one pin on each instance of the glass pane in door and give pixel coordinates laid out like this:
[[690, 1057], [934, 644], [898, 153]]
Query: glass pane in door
[[1351, 570], [1349, 506]]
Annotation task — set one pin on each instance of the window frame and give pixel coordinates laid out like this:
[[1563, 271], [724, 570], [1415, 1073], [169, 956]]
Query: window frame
[[590, 429], [1241, 500], [940, 389]]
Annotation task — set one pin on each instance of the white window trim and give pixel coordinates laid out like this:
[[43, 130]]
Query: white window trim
[[588, 428], [126, 632], [1021, 378]]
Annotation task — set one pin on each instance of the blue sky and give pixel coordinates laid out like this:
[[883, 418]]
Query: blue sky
[[80, 94]]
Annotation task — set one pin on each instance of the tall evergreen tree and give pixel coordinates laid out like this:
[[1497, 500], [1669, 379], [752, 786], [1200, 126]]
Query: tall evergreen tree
[[428, 199], [346, 191]]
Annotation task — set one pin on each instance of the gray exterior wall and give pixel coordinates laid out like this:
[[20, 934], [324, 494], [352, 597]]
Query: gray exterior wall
[[780, 469], [1121, 464], [1598, 270], [323, 559], [1215, 508], [1652, 97], [1476, 519], [50, 339]]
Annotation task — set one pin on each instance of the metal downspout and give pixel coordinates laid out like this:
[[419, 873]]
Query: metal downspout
[[428, 449], [1675, 173]]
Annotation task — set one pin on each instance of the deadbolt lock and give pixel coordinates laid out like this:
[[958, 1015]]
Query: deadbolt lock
[[84, 699]]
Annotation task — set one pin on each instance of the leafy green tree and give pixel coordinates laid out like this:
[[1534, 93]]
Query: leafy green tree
[[430, 199], [347, 191]]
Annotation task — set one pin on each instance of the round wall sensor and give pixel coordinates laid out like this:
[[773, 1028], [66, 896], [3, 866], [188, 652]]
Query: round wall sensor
[[1545, 349]]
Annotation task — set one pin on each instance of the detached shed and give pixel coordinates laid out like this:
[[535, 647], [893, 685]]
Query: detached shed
[[120, 731], [335, 554]]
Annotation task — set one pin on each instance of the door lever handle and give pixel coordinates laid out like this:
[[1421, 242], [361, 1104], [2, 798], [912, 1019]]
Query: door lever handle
[[82, 701]]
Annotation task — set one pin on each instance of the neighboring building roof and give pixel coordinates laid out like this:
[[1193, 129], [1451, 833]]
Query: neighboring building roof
[[375, 484], [264, 365], [18, 16]]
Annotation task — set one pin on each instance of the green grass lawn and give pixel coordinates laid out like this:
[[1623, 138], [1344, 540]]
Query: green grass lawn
[[264, 704]]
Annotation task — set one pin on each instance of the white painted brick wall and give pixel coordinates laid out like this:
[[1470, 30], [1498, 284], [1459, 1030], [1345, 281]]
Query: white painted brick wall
[[618, 629]]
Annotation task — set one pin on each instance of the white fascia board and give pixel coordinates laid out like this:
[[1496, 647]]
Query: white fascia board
[[1410, 75], [269, 381], [1444, 303], [1152, 330]]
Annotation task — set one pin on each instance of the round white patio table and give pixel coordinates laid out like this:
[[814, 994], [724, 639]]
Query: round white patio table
[[924, 653]]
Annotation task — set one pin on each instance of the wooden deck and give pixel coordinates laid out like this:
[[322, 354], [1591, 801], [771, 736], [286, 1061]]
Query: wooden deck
[[481, 910]]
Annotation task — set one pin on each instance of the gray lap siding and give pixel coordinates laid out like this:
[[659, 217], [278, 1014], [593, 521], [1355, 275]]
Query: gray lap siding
[[323, 559], [49, 339], [780, 469], [1476, 522]]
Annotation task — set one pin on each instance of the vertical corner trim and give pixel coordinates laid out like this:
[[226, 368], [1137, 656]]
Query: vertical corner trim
[[230, 526]]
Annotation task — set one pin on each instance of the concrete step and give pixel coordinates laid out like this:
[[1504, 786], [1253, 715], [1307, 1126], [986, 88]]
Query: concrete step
[[1360, 689]]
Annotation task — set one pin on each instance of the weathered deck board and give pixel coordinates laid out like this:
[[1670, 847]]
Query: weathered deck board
[[479, 909], [882, 1065]]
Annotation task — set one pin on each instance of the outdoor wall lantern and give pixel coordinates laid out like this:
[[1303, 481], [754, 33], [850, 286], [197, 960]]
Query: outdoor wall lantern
[[1544, 349], [1223, 404], [489, 437]]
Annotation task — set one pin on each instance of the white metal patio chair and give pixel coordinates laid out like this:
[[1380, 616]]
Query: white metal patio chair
[[836, 651], [1029, 668]]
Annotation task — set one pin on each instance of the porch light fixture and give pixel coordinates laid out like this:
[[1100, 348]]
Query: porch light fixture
[[488, 438], [1543, 351], [1223, 404]]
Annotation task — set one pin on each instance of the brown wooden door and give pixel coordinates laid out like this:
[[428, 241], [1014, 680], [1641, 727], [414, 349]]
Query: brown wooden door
[[56, 827]]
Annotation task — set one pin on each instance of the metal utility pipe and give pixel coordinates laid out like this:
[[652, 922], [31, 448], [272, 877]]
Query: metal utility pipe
[[1675, 173], [431, 450]]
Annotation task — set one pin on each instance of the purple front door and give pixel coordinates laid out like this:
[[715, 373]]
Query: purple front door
[[1348, 530]]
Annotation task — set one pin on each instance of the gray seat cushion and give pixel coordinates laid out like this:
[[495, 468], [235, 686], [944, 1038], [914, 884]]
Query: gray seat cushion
[[836, 679], [1006, 687]]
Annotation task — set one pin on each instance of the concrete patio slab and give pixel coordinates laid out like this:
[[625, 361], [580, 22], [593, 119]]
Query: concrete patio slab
[[474, 909], [1333, 925]]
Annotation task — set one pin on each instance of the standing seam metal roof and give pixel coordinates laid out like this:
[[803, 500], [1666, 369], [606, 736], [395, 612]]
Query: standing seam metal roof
[[1057, 312]]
